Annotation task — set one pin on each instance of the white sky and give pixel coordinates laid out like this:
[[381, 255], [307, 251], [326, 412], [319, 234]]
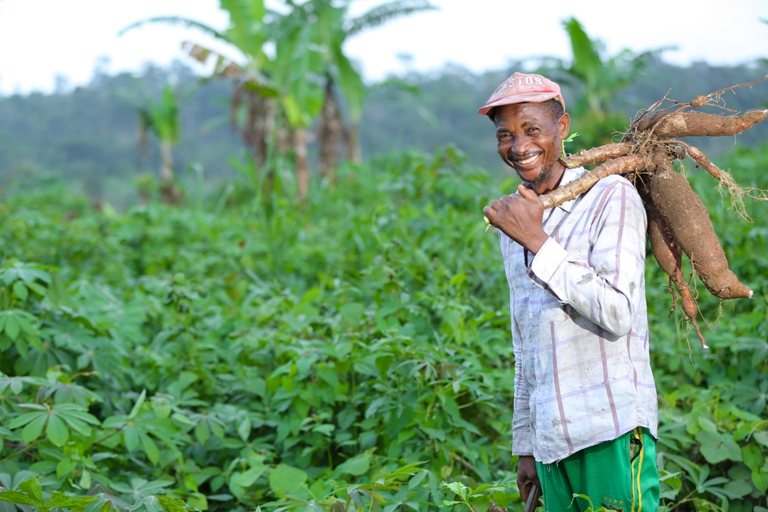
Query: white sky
[[42, 38]]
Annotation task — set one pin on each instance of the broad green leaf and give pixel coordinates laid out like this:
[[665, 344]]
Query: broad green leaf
[[34, 428], [352, 312], [244, 429], [738, 488], [85, 480], [150, 448], [19, 498], [718, 448], [56, 430], [137, 405], [114, 422], [249, 477], [202, 432], [20, 290], [197, 500], [12, 327], [284, 479], [33, 488], [356, 466], [131, 438], [59, 499], [753, 456], [25, 418], [98, 505], [760, 479], [65, 467]]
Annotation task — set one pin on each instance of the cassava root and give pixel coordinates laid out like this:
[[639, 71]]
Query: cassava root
[[678, 221], [669, 256], [689, 223], [699, 124], [620, 165], [596, 155]]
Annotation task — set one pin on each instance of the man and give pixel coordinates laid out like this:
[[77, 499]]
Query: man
[[585, 408]]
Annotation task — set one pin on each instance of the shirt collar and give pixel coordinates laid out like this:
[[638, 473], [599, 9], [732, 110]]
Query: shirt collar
[[568, 176]]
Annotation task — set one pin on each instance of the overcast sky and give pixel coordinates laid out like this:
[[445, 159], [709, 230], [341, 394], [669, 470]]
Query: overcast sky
[[40, 39]]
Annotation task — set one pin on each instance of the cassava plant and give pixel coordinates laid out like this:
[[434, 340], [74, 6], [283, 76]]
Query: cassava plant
[[678, 221]]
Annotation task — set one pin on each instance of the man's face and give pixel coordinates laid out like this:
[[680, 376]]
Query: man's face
[[529, 140]]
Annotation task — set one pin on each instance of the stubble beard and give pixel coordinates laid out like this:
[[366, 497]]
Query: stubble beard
[[546, 173]]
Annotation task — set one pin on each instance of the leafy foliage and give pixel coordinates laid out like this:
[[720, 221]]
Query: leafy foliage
[[350, 355]]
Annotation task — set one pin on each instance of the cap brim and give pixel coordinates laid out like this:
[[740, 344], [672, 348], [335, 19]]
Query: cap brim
[[528, 97]]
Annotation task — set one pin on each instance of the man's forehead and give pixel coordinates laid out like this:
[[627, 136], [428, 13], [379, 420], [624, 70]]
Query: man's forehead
[[522, 112]]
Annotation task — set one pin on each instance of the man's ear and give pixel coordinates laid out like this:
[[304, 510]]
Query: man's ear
[[563, 125]]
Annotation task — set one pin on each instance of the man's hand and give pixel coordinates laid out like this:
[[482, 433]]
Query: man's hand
[[519, 217], [526, 477]]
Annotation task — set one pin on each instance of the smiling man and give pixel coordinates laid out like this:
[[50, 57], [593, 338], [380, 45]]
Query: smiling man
[[585, 408]]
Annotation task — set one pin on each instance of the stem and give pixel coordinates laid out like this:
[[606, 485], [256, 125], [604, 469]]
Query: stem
[[20, 451], [110, 435]]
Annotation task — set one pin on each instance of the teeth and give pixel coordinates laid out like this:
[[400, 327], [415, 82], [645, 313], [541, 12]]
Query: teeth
[[528, 160]]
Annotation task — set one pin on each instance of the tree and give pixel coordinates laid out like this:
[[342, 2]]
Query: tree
[[162, 120], [247, 33], [301, 79], [336, 28]]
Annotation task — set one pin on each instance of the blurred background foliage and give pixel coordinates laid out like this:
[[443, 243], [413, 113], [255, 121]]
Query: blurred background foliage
[[335, 344]]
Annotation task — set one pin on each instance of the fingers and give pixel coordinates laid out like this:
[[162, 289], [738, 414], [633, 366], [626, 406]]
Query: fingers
[[489, 213], [527, 193], [524, 491]]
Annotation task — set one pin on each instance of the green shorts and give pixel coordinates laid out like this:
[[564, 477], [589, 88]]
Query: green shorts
[[618, 475]]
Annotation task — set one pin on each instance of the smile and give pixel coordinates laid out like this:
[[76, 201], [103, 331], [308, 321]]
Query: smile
[[528, 160]]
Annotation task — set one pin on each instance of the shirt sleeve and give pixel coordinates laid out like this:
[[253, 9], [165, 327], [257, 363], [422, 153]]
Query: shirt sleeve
[[522, 443], [606, 288]]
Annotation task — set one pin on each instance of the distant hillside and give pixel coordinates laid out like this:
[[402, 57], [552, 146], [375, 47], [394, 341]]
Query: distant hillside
[[89, 136], [446, 111]]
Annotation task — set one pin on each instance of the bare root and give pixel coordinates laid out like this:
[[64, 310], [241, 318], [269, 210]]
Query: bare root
[[596, 155], [689, 223], [620, 165], [668, 254], [699, 124]]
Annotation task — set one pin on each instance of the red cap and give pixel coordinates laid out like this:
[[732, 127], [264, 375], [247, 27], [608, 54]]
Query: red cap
[[523, 88]]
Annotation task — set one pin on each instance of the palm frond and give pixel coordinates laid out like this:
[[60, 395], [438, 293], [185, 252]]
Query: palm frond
[[385, 13], [177, 20]]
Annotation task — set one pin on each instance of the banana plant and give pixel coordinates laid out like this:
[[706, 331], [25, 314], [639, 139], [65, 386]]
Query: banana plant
[[300, 81], [250, 28], [599, 79], [160, 118], [335, 28]]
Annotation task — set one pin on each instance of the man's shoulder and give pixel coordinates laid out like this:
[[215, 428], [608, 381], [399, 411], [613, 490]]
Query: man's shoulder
[[614, 185]]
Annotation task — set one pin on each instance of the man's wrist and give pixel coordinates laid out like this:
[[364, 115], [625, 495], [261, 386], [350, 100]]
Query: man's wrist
[[535, 245]]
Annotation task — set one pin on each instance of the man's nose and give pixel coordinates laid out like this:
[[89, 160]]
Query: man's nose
[[517, 147]]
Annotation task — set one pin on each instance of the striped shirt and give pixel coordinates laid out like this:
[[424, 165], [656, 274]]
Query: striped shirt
[[580, 325]]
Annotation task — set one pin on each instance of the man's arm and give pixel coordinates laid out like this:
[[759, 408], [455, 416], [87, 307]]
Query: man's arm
[[522, 443], [607, 288]]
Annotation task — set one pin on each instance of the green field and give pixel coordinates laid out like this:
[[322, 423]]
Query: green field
[[349, 353]]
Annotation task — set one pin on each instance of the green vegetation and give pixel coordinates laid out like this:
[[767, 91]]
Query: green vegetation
[[88, 136], [351, 355], [298, 83], [267, 348]]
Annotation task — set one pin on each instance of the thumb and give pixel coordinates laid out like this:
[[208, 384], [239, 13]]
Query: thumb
[[526, 193]]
